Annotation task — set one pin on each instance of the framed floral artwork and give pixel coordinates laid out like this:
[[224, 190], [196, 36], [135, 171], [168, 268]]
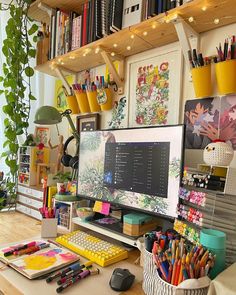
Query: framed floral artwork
[[42, 135], [155, 87]]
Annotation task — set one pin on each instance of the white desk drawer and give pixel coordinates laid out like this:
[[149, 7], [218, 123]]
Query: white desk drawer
[[30, 192], [28, 211], [30, 202]]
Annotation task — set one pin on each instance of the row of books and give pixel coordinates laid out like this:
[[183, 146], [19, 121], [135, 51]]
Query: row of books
[[99, 18]]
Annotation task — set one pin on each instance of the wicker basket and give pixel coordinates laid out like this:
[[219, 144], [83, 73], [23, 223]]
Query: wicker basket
[[154, 285]]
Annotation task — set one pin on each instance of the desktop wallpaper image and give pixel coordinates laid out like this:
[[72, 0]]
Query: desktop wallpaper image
[[91, 169]]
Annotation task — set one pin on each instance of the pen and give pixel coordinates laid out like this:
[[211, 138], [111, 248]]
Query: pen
[[61, 273], [31, 250], [80, 276], [74, 273], [18, 248]]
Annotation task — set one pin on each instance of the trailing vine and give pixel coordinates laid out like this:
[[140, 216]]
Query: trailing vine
[[16, 87]]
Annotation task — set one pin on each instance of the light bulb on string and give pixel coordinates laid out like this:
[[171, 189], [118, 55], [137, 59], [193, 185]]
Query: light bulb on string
[[216, 21]]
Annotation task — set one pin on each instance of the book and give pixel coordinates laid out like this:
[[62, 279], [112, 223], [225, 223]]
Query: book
[[38, 263]]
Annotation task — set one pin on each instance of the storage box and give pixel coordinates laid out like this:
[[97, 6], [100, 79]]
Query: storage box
[[49, 228], [137, 224]]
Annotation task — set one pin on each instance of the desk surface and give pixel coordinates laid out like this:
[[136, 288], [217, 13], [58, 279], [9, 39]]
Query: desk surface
[[12, 282]]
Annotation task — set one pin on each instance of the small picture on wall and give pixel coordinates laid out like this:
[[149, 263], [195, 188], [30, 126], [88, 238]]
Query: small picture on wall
[[42, 135], [88, 122], [201, 117]]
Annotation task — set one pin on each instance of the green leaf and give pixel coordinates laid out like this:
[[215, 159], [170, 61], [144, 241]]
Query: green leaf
[[29, 71], [7, 109], [31, 97], [32, 52], [33, 29], [35, 38]]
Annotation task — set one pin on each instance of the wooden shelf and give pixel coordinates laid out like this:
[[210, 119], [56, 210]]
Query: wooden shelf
[[164, 33]]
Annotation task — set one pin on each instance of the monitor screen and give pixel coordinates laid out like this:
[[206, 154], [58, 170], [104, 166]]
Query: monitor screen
[[139, 168]]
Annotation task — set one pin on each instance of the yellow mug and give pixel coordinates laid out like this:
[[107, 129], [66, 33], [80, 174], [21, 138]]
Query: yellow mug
[[226, 76], [202, 81], [92, 100], [82, 101], [72, 104]]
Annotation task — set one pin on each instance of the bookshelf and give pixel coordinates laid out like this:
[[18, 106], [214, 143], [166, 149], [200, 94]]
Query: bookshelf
[[163, 33]]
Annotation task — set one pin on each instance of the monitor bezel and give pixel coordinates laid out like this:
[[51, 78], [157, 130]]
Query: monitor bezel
[[167, 217]]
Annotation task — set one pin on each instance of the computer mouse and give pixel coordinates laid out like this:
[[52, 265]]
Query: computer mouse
[[121, 279]]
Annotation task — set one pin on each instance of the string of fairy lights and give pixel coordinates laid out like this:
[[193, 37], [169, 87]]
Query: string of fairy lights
[[119, 50]]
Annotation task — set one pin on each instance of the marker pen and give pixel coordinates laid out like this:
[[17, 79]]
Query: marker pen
[[63, 272], [80, 276]]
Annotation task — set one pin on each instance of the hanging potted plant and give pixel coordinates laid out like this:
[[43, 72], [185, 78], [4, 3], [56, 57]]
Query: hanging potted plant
[[17, 49]]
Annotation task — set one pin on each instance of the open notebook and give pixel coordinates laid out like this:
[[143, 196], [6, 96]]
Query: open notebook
[[39, 263]]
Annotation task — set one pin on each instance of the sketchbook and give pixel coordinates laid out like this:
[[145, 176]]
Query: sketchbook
[[38, 263]]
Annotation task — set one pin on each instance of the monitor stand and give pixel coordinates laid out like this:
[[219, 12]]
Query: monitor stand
[[111, 223]]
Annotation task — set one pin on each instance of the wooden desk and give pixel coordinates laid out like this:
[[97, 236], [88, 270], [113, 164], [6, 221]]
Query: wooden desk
[[13, 283]]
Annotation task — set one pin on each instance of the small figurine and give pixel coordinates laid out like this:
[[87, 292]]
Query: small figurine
[[218, 153], [60, 152]]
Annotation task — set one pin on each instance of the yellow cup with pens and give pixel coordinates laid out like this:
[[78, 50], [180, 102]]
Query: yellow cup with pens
[[104, 97], [226, 76], [72, 104], [202, 81], [93, 102], [82, 100]]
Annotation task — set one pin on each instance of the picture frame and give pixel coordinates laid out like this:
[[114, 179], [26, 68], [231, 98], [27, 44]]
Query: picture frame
[[154, 88], [88, 122], [42, 135]]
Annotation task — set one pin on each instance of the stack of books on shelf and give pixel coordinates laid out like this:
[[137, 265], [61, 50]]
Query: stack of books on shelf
[[99, 18], [204, 208]]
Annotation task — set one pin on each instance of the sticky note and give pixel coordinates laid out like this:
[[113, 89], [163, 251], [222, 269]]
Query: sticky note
[[105, 208], [97, 206]]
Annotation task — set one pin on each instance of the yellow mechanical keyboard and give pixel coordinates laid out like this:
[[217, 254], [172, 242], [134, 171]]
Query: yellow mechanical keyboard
[[93, 248]]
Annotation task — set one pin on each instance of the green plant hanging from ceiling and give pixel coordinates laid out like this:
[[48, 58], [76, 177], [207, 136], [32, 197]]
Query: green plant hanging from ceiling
[[18, 50]]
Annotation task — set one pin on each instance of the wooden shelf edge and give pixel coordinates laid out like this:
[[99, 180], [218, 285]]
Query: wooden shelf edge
[[163, 34]]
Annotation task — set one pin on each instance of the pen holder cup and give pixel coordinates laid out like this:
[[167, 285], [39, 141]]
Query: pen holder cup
[[154, 285], [72, 104], [93, 102], [105, 101], [214, 240], [82, 100], [49, 228], [202, 81], [226, 76]]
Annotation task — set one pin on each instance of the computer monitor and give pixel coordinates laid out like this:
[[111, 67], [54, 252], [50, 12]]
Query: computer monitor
[[139, 168]]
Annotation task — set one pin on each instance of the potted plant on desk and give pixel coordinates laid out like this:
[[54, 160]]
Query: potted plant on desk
[[62, 179]]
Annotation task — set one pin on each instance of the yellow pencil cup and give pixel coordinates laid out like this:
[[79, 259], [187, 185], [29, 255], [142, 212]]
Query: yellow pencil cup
[[82, 100], [72, 104], [108, 104], [93, 103], [202, 81], [226, 76]]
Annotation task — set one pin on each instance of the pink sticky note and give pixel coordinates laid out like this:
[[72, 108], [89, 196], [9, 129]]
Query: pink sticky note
[[105, 208]]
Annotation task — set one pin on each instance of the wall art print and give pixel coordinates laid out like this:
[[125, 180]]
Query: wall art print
[[155, 89], [210, 119]]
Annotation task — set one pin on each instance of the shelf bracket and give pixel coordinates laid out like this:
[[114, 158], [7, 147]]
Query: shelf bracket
[[188, 37], [61, 76], [117, 76], [45, 8]]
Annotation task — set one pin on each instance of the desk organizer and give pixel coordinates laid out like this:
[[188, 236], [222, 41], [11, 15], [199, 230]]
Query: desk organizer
[[82, 100], [72, 104], [202, 81], [93, 103], [154, 285], [226, 76]]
